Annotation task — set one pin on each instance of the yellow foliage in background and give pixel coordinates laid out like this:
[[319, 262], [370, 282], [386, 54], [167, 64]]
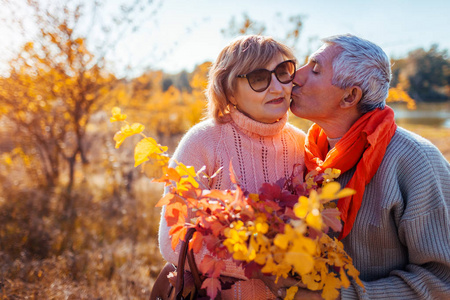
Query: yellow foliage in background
[[164, 113], [398, 94]]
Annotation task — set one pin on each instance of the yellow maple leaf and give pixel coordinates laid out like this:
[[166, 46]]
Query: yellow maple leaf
[[330, 174], [352, 271], [314, 219], [332, 190], [330, 289], [126, 131], [282, 239], [269, 266], [145, 149], [187, 174], [301, 208], [308, 208], [290, 293], [117, 115], [301, 262]]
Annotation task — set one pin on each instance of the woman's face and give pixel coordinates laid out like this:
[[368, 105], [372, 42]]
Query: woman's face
[[267, 106]]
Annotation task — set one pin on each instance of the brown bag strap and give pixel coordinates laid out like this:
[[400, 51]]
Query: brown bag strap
[[184, 252], [194, 270]]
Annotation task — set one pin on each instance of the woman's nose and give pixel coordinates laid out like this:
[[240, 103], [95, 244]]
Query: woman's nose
[[275, 84]]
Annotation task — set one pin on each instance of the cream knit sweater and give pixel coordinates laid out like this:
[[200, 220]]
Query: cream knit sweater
[[400, 241], [258, 152]]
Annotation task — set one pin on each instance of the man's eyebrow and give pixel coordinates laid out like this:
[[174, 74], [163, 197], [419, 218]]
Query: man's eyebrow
[[315, 59]]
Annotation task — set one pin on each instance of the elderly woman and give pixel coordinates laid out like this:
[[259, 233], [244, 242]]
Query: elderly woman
[[249, 94]]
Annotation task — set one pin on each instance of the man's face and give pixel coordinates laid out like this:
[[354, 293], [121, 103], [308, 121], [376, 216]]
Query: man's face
[[314, 97]]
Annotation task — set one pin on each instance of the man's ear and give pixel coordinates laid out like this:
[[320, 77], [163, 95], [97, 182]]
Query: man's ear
[[351, 97]]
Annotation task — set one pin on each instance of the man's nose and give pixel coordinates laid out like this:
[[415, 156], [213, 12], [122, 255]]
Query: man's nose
[[299, 76]]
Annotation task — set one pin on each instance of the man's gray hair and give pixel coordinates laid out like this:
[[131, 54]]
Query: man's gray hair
[[364, 64]]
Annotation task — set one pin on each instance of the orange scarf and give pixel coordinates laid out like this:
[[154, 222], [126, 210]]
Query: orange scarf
[[364, 145]]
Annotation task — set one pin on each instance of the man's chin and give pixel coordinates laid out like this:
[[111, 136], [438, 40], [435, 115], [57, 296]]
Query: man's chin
[[293, 108]]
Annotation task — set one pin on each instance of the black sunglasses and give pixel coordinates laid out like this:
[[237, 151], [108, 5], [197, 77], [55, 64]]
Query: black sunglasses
[[259, 80]]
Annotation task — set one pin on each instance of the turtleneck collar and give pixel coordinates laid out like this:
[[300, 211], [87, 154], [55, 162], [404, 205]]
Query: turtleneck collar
[[250, 126]]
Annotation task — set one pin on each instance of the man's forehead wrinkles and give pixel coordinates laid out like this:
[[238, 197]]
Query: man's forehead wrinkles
[[317, 58]]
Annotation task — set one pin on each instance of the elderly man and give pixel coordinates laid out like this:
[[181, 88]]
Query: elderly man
[[397, 226]]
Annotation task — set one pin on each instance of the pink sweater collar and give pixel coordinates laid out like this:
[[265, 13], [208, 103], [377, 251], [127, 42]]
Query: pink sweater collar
[[250, 126]]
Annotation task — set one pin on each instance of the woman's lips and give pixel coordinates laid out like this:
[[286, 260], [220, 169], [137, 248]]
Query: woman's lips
[[276, 101]]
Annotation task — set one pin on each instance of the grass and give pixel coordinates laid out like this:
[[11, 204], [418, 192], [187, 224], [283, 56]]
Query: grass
[[106, 246]]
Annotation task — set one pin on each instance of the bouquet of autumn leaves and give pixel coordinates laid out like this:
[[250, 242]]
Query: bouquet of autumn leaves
[[281, 231]]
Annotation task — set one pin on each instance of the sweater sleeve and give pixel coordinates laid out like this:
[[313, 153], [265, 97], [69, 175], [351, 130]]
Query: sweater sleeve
[[194, 150], [423, 228], [198, 149]]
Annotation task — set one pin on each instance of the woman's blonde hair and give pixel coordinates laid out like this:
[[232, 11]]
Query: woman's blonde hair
[[241, 56]]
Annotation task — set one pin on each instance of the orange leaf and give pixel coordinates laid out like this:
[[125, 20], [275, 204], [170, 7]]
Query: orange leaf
[[217, 228], [178, 235], [175, 213], [196, 242], [172, 174], [165, 200], [233, 176], [219, 194]]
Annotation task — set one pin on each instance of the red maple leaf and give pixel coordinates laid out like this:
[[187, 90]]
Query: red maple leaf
[[269, 192], [331, 219], [211, 242], [212, 286], [222, 253], [212, 266], [251, 269], [287, 199], [289, 213]]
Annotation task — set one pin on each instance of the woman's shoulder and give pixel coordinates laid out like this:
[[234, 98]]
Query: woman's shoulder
[[203, 129], [295, 132]]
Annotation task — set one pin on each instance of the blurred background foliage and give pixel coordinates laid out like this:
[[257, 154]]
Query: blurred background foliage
[[77, 221]]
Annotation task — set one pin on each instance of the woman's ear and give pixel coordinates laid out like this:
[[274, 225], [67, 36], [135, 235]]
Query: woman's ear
[[232, 99], [351, 97]]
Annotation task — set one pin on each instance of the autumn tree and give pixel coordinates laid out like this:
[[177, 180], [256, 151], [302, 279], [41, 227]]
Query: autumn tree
[[425, 75], [166, 110], [56, 83]]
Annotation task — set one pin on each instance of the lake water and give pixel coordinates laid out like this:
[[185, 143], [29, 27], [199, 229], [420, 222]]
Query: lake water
[[436, 115]]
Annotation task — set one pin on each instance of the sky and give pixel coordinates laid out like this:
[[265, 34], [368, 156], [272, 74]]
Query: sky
[[183, 34]]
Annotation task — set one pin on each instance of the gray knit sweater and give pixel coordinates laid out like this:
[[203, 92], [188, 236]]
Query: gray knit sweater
[[400, 241]]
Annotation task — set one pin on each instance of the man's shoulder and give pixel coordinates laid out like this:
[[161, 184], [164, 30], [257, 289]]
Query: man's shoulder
[[404, 138], [410, 148]]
